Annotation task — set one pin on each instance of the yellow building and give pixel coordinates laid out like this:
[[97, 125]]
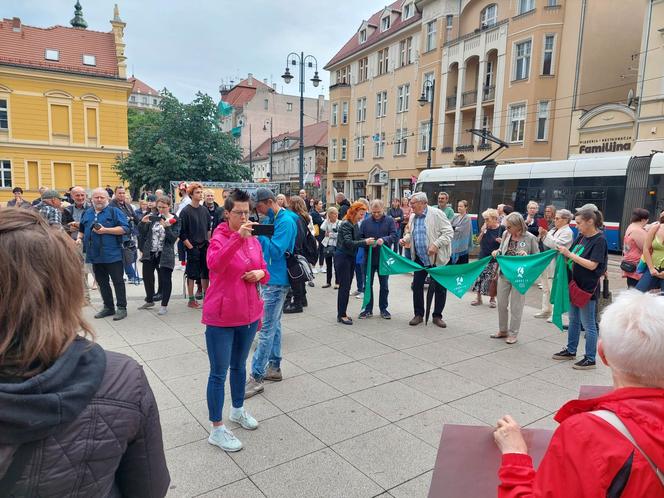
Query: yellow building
[[63, 106]]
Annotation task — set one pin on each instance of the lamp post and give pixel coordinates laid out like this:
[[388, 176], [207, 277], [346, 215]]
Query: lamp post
[[271, 144], [294, 59], [429, 84]]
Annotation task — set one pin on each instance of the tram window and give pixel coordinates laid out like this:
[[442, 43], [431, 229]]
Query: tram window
[[614, 204], [539, 196], [655, 196], [468, 191]]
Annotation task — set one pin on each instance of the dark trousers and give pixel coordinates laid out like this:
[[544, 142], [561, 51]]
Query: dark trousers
[[440, 295], [396, 247], [321, 253], [343, 266], [106, 272], [182, 253], [329, 263], [384, 290], [360, 275], [164, 277], [462, 260], [299, 293]]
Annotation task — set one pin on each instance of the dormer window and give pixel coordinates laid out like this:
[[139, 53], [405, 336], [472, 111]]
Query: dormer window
[[89, 60], [363, 35], [489, 16], [385, 23], [408, 11], [52, 55]]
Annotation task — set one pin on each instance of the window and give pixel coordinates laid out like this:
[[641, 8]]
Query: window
[[266, 104], [144, 99], [426, 86], [343, 75], [517, 122], [403, 95], [383, 61], [522, 58], [431, 36], [526, 6], [489, 16], [359, 148], [60, 121], [335, 114], [361, 109], [344, 113], [488, 77], [449, 21], [5, 174], [359, 189], [381, 104], [364, 69], [91, 123], [401, 144], [4, 120], [132, 98], [408, 11], [542, 119], [385, 23], [89, 60], [154, 102], [289, 106], [334, 149], [344, 146], [424, 136], [52, 55], [547, 60], [551, 3], [363, 35], [405, 51], [379, 144]]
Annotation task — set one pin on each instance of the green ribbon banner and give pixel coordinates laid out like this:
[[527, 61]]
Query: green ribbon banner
[[559, 292], [459, 278], [522, 271]]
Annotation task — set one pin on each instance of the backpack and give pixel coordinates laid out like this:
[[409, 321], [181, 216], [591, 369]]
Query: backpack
[[309, 247]]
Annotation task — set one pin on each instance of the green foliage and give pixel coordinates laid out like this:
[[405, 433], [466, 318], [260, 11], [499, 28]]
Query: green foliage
[[182, 142]]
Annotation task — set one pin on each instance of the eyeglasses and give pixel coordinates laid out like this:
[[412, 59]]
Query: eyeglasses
[[240, 213]]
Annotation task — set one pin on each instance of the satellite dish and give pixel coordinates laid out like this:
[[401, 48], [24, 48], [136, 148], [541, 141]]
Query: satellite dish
[[630, 97]]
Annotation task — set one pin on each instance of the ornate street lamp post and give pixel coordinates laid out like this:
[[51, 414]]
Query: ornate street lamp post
[[430, 88]]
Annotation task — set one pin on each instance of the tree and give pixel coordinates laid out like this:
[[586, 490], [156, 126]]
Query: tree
[[182, 142]]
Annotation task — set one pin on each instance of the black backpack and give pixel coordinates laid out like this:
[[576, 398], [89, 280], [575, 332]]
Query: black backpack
[[309, 248]]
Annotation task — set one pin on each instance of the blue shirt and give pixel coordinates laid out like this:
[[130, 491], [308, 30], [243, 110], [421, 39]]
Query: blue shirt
[[419, 235], [103, 248], [276, 247]]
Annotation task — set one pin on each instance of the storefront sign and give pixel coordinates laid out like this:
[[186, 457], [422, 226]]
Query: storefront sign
[[599, 145]]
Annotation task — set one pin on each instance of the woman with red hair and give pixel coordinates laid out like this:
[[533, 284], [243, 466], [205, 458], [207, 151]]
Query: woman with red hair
[[348, 242]]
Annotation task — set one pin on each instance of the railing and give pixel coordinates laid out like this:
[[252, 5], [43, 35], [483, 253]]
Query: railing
[[465, 148], [451, 102], [484, 146], [488, 93], [469, 98], [449, 43], [446, 150]]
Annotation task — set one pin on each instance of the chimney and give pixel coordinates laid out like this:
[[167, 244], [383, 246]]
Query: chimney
[[265, 81], [250, 79], [16, 25], [274, 87]]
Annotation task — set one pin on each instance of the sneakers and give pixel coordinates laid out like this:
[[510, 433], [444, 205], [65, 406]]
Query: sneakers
[[225, 439], [355, 293], [145, 306], [315, 270], [365, 314], [325, 286], [323, 270], [253, 387], [240, 416], [163, 310], [193, 305], [120, 314], [585, 364], [290, 308], [336, 286], [385, 314], [311, 283], [564, 355], [105, 312], [542, 314], [359, 295], [199, 295], [273, 374]]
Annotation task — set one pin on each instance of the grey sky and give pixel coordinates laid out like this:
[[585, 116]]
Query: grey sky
[[192, 45]]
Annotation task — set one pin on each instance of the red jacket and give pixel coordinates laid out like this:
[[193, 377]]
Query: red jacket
[[586, 454], [231, 301]]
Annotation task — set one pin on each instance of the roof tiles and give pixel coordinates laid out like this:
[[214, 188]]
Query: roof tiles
[[315, 135]]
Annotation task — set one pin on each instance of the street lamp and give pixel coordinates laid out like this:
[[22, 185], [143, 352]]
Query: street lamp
[[271, 144], [428, 85], [294, 59]]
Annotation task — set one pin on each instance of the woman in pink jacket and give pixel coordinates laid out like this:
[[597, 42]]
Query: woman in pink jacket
[[232, 312]]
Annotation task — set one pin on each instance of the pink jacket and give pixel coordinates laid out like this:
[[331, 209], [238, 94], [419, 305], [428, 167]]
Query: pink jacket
[[231, 301]]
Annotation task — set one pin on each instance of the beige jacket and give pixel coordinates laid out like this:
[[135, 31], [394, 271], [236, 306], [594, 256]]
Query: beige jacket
[[439, 233], [528, 244]]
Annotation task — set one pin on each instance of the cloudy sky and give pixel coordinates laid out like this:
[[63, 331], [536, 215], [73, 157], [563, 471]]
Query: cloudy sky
[[193, 45]]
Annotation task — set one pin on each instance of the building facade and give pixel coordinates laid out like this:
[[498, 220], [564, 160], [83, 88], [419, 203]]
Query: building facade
[[248, 109], [143, 97], [524, 71], [63, 106]]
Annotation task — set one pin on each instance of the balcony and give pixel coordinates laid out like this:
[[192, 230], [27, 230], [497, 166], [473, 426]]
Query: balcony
[[447, 150], [465, 148], [451, 102], [484, 146], [469, 98], [489, 93]]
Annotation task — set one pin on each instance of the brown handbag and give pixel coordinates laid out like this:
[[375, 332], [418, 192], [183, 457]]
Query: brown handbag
[[493, 286]]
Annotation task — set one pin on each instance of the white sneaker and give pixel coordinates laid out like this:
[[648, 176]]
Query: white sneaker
[[244, 419], [162, 310], [222, 437], [315, 270], [323, 270], [359, 295]]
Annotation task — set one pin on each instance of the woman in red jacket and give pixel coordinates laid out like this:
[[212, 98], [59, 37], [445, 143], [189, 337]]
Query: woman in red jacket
[[611, 446], [232, 312]]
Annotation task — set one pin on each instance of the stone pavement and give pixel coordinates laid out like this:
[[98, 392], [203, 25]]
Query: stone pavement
[[361, 408]]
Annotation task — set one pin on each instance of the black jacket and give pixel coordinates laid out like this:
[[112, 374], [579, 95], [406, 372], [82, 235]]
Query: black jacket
[[167, 259], [216, 216], [88, 426], [348, 238], [343, 208]]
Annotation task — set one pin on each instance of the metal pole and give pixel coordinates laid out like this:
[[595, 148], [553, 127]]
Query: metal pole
[[301, 120], [271, 152], [251, 157], [433, 96]]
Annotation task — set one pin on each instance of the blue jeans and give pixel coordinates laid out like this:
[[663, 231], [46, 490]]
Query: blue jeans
[[269, 340], [648, 282], [583, 316], [227, 347], [131, 273], [384, 291]]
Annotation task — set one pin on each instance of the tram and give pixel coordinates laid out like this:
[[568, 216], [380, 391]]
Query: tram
[[616, 185]]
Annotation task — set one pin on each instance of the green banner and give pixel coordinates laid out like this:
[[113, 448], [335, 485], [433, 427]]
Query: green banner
[[392, 263], [559, 292], [459, 278], [523, 271], [367, 280]]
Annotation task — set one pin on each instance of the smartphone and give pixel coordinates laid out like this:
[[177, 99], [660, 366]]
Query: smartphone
[[155, 217], [543, 223], [266, 230], [97, 226]]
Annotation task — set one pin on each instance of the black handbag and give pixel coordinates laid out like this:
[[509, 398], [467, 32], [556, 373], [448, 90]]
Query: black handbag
[[627, 266]]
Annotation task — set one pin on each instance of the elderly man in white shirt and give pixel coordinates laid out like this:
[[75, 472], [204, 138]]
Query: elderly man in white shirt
[[560, 235]]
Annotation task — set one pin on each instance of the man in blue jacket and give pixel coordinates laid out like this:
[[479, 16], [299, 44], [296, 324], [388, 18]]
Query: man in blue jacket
[[266, 363], [101, 230], [381, 227]]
